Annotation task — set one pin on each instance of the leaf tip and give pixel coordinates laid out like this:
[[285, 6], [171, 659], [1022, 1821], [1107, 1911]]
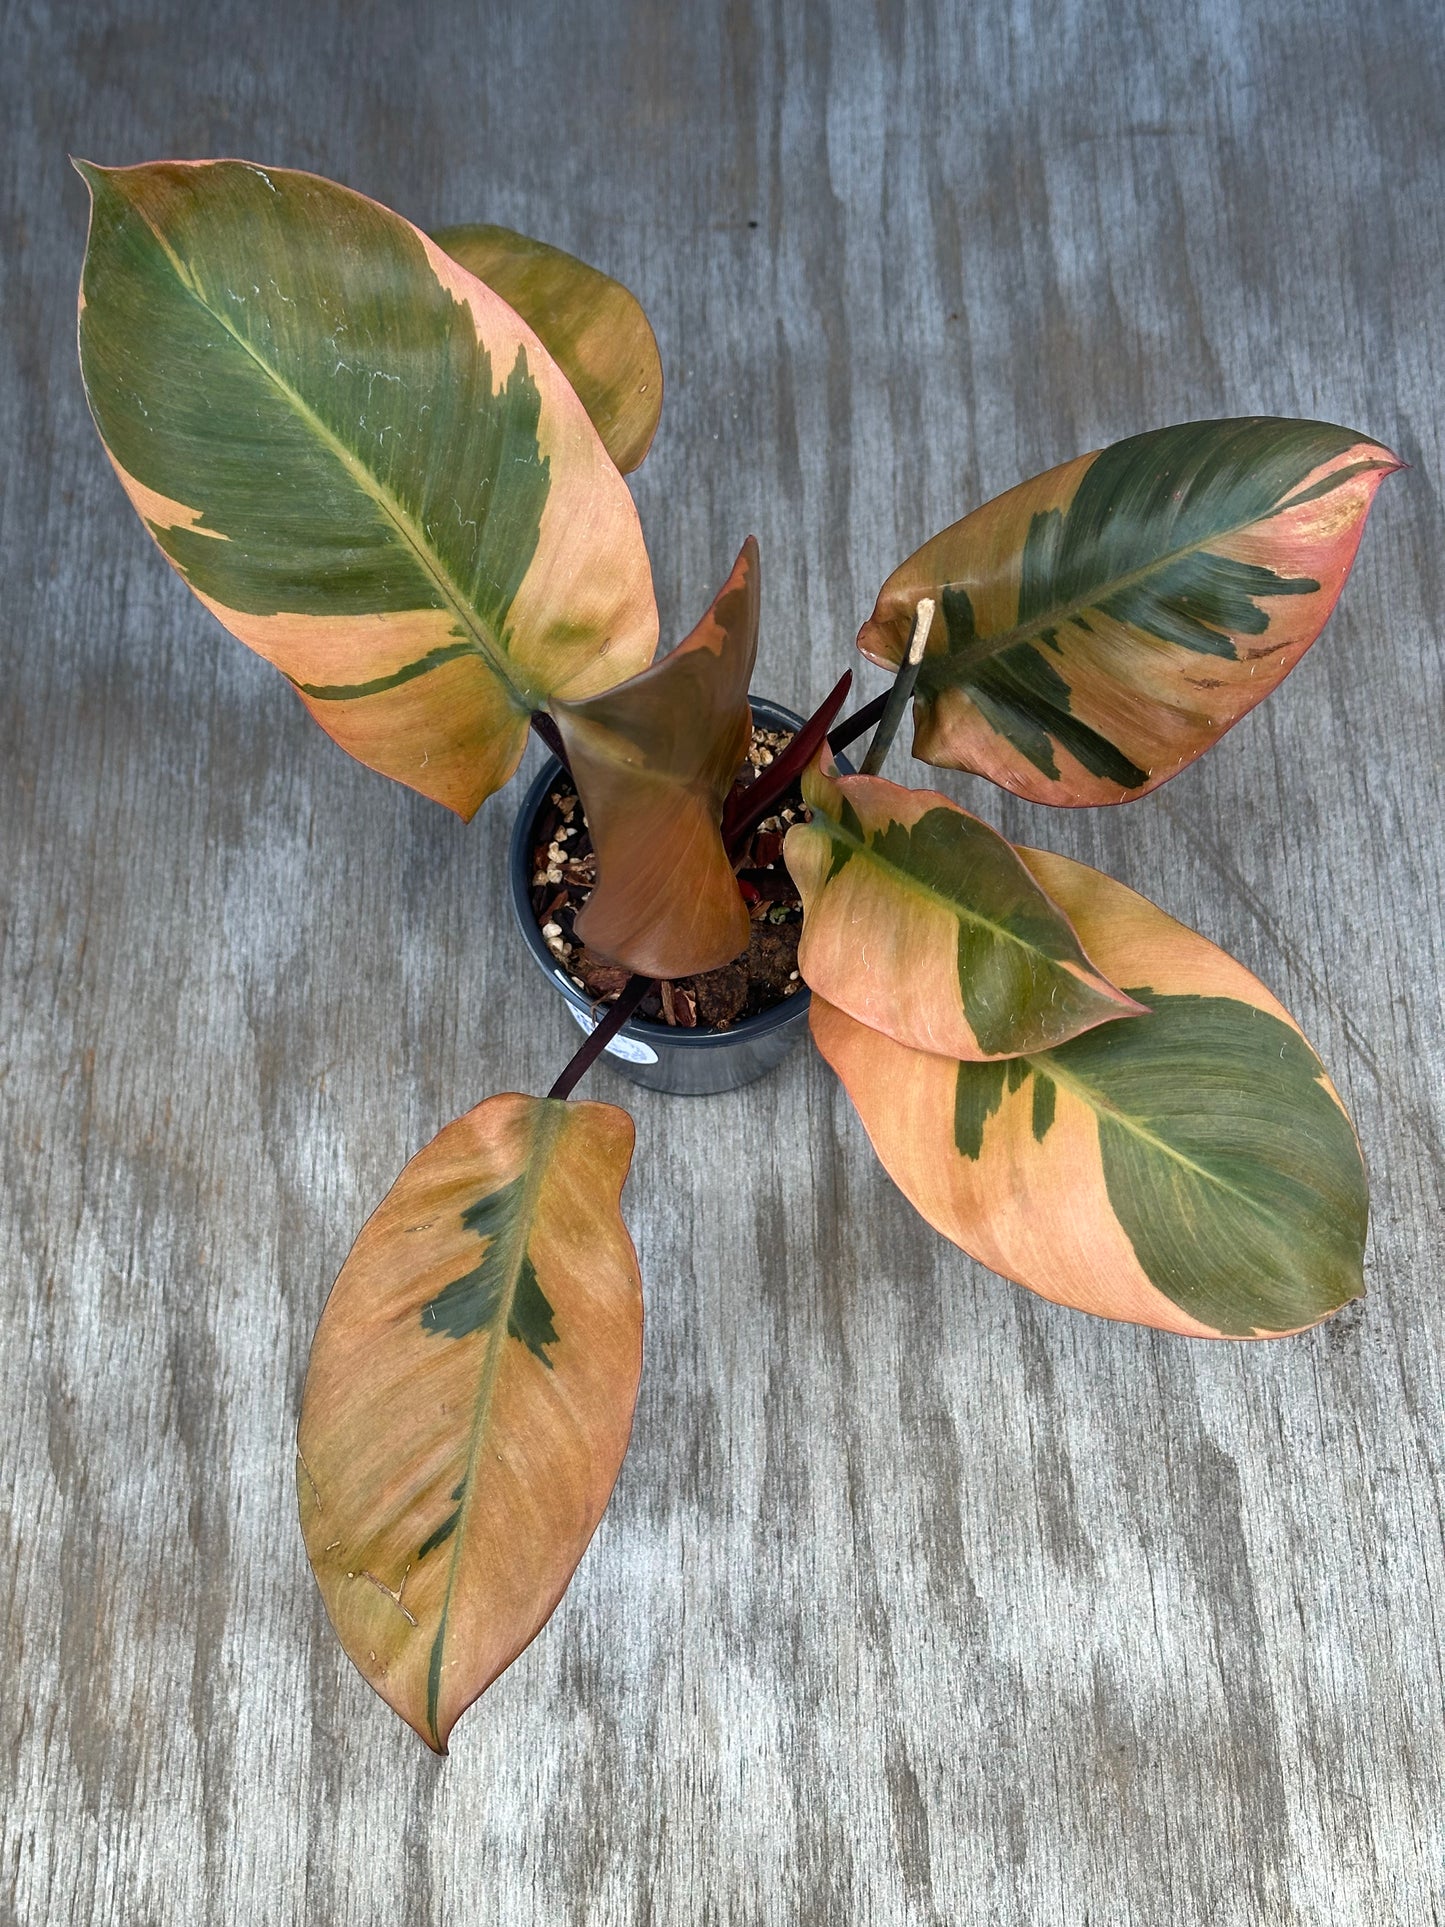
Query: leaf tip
[[97, 178], [93, 176]]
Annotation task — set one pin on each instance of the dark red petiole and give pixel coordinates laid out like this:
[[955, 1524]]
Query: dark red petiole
[[628, 998], [747, 808]]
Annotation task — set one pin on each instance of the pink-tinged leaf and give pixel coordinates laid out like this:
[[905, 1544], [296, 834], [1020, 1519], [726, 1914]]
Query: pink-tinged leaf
[[1191, 1169], [1099, 627], [924, 923], [363, 462], [469, 1399]]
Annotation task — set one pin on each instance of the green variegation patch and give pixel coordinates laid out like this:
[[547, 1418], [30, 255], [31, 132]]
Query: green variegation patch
[[505, 1278]]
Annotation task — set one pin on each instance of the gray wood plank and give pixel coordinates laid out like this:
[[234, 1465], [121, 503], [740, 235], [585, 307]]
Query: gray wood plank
[[920, 1600]]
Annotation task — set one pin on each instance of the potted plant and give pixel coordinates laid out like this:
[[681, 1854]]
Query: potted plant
[[393, 465]]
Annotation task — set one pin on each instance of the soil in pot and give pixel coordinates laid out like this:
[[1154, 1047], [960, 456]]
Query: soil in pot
[[564, 869]]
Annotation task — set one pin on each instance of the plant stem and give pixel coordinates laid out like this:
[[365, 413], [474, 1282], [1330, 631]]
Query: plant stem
[[898, 696], [628, 998], [548, 732], [747, 809]]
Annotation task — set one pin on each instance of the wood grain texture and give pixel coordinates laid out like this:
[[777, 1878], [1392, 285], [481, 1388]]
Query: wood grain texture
[[919, 1601]]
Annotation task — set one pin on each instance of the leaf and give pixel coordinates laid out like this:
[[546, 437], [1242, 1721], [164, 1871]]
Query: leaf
[[654, 760], [469, 1399], [362, 461], [1192, 1169], [922, 922], [1100, 626], [593, 328]]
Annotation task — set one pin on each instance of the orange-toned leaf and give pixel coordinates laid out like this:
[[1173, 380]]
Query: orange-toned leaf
[[469, 1399], [1099, 627], [593, 327], [362, 461], [1192, 1169], [923, 922], [654, 760]]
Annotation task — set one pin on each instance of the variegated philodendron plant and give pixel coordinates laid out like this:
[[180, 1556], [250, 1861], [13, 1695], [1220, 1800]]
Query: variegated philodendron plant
[[392, 464]]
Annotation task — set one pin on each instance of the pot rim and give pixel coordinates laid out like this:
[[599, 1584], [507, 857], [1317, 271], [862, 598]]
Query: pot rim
[[641, 1029]]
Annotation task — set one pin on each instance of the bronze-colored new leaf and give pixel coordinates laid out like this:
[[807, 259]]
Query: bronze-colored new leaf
[[1192, 1169], [923, 922], [594, 329], [362, 460], [1099, 627], [469, 1399], [654, 760]]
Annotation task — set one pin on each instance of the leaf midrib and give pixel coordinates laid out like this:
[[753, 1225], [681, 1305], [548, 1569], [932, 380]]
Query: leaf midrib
[[959, 662], [496, 659], [1101, 1107], [544, 1136]]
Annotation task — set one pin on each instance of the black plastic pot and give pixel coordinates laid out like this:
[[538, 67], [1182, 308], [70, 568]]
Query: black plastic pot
[[688, 1063]]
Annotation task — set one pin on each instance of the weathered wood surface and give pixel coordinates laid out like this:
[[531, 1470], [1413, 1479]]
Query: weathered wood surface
[[920, 1601]]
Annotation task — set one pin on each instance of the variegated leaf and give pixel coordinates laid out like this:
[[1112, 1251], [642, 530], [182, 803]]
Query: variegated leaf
[[654, 760], [922, 922], [593, 327], [1192, 1169], [1100, 626], [362, 461], [469, 1399]]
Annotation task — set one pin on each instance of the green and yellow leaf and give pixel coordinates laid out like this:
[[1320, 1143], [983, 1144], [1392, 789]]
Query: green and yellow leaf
[[1100, 626], [362, 461], [654, 760], [469, 1399], [593, 327], [923, 922], [1192, 1169]]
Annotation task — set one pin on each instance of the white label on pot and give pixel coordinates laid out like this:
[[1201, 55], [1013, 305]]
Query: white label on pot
[[626, 1048]]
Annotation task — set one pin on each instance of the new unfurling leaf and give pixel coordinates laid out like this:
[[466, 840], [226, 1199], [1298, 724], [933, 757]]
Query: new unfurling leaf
[[362, 461], [469, 1399], [653, 761], [1192, 1169], [1099, 627]]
